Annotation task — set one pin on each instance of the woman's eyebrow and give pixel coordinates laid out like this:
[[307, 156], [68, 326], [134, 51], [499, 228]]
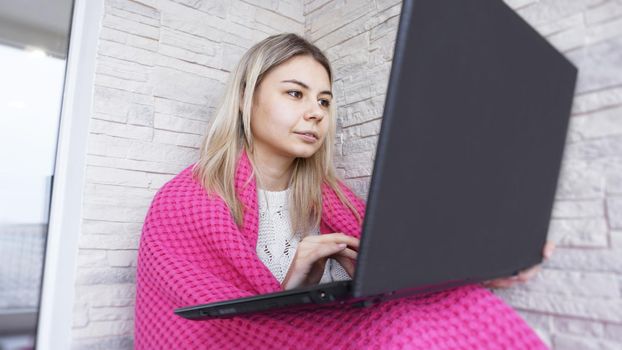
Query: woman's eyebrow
[[298, 82]]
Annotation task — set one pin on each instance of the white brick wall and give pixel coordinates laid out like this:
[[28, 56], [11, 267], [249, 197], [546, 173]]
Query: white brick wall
[[161, 68]]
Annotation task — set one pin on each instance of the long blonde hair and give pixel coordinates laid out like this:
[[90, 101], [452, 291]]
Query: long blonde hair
[[230, 134]]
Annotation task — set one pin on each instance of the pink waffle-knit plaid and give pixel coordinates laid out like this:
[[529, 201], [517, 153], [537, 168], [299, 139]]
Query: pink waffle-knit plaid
[[191, 252]]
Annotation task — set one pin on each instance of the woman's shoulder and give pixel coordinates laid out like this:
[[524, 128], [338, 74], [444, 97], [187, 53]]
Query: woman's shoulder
[[184, 190]]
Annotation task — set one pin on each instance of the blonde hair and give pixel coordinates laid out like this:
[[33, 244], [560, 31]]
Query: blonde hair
[[230, 134]]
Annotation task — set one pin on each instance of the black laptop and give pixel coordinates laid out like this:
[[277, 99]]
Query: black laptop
[[467, 161]]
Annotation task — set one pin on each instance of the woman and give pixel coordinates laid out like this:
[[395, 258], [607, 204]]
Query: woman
[[263, 210]]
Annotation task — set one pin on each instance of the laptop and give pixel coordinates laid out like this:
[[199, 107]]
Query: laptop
[[466, 165]]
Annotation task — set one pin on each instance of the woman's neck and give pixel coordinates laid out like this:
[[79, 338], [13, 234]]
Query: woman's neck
[[274, 171]]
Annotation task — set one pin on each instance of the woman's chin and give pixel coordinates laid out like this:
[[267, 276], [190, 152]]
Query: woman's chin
[[300, 153]]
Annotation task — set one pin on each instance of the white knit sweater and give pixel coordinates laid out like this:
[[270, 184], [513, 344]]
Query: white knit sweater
[[275, 245]]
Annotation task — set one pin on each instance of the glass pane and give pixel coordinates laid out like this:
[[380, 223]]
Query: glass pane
[[33, 50]]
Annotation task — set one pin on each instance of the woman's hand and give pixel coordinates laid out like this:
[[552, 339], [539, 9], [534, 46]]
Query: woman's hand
[[308, 264], [523, 276]]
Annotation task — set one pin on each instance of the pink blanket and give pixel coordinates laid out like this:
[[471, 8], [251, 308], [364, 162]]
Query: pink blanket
[[191, 252]]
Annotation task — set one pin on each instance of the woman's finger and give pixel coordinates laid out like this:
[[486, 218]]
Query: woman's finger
[[348, 253], [326, 250], [549, 247], [503, 282], [528, 274], [352, 242]]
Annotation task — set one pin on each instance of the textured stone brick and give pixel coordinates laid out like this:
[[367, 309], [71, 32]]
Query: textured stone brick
[[80, 315], [96, 329], [313, 5], [111, 313], [179, 124], [614, 212], [122, 258], [117, 343], [179, 139], [292, 9], [116, 194], [616, 243], [603, 12], [105, 275], [275, 22], [127, 22], [362, 111], [573, 283], [349, 56], [548, 11], [129, 164], [576, 326], [537, 320], [193, 68], [104, 127], [602, 31], [138, 87], [564, 24], [102, 145], [361, 164], [604, 309], [321, 26], [134, 20], [161, 153], [128, 39], [184, 110], [184, 87], [609, 146], [92, 258], [613, 331], [92, 227], [216, 8], [140, 7], [569, 40], [614, 181], [125, 52], [601, 260], [598, 65], [106, 295], [111, 212], [579, 232], [109, 241], [594, 101], [213, 28], [370, 128], [600, 124], [578, 209], [190, 48], [563, 341], [580, 180], [122, 69], [117, 177], [367, 144]]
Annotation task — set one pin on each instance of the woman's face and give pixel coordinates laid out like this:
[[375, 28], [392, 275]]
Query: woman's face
[[291, 100]]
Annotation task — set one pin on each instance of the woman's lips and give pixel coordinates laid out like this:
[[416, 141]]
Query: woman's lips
[[307, 137]]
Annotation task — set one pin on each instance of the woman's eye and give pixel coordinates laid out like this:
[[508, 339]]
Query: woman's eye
[[294, 93], [324, 103]]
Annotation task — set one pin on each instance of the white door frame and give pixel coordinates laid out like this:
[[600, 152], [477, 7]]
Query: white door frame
[[57, 295]]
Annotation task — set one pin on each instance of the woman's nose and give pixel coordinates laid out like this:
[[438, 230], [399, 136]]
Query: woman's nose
[[314, 112]]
